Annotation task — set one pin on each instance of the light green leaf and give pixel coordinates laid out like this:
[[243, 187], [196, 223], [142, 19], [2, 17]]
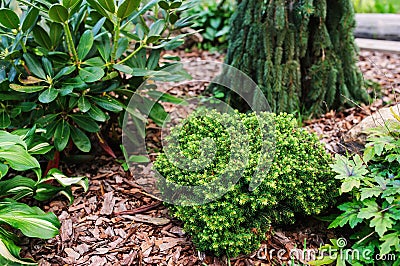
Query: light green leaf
[[32, 221], [138, 159], [382, 222], [370, 192], [19, 159], [6, 254], [109, 103], [64, 180], [70, 3], [3, 170], [165, 97], [371, 210], [389, 240], [157, 28], [349, 184]]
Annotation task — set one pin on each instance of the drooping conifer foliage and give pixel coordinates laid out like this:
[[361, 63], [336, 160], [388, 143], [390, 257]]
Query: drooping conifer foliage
[[300, 52]]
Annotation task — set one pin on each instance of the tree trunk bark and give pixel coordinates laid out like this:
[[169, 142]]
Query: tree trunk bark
[[300, 52]]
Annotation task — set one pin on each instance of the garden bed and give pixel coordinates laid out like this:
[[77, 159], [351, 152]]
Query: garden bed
[[116, 223]]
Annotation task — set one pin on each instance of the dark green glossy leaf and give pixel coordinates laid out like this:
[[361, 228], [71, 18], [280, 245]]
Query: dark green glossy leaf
[[65, 71], [56, 31], [80, 139], [108, 5], [109, 104], [127, 7], [85, 44], [70, 3], [165, 97], [97, 114], [86, 123], [4, 119], [8, 18], [34, 66], [30, 19], [91, 74], [41, 37], [58, 13], [48, 95], [164, 5], [84, 104], [61, 135], [48, 67]]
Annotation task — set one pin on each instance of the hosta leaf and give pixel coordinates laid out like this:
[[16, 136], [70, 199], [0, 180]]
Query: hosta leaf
[[86, 123], [127, 7], [91, 74], [8, 140], [32, 221], [12, 260], [80, 139], [61, 135], [66, 181], [48, 95], [18, 186], [18, 158], [85, 44], [41, 148], [3, 170], [58, 13], [8, 18]]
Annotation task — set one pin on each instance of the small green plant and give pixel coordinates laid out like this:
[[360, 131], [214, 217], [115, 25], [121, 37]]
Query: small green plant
[[376, 6], [71, 66], [212, 18], [17, 152], [373, 184], [299, 180]]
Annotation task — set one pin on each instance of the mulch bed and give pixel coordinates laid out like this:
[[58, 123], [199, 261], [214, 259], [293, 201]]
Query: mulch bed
[[117, 223]]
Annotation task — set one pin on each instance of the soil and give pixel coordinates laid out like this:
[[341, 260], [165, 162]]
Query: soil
[[117, 223]]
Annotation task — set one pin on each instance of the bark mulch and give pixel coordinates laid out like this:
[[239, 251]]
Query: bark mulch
[[117, 223]]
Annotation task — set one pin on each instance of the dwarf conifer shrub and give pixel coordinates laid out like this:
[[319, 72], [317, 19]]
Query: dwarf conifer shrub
[[299, 180]]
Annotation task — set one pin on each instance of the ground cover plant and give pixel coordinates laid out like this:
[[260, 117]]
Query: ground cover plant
[[212, 19], [237, 222], [373, 186], [17, 152], [376, 6]]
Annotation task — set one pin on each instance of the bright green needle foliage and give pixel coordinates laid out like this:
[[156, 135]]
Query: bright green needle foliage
[[299, 180]]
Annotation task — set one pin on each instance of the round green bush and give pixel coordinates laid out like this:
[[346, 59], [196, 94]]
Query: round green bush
[[299, 180]]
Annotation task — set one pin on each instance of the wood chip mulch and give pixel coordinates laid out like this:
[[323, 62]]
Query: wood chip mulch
[[117, 223]]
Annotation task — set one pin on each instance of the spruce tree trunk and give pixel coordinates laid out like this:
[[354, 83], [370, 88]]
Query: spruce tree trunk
[[300, 52]]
